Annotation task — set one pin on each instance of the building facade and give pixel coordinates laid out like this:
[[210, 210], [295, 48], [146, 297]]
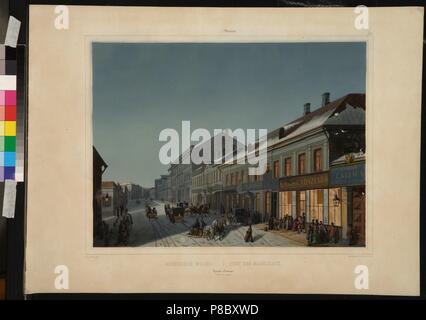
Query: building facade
[[163, 190], [303, 178], [180, 185], [114, 199], [347, 174], [134, 191], [298, 180], [305, 153]]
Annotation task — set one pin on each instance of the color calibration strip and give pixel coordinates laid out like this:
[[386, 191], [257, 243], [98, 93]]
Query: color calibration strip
[[9, 170]]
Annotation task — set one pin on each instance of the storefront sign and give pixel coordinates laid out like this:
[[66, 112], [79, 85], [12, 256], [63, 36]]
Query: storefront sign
[[306, 182], [350, 175]]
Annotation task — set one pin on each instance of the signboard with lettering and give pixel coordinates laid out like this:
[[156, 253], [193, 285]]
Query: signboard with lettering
[[349, 175], [305, 182]]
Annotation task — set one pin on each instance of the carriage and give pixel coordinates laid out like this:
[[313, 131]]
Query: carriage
[[197, 209], [241, 216], [245, 217], [176, 215]]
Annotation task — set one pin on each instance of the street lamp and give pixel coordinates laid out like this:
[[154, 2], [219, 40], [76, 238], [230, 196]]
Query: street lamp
[[336, 200]]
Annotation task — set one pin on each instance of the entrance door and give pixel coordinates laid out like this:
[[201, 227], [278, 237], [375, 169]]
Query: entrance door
[[274, 204], [358, 213], [300, 202]]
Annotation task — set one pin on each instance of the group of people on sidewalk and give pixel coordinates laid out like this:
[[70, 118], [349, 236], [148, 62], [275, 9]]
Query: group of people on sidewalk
[[319, 233], [287, 223], [316, 231], [121, 226]]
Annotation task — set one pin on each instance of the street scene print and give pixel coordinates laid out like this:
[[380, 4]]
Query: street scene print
[[229, 144]]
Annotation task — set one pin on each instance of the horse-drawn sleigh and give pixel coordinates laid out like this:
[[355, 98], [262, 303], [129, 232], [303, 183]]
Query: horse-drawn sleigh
[[215, 231], [198, 209], [176, 215]]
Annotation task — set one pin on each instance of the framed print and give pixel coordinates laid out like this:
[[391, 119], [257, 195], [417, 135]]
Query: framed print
[[196, 151]]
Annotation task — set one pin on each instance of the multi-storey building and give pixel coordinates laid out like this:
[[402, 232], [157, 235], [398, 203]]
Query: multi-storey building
[[298, 180], [181, 178], [134, 191]]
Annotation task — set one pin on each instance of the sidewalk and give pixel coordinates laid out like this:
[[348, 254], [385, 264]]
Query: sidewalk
[[291, 235]]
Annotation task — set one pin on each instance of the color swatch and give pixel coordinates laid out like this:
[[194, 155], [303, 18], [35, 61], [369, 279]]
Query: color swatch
[[8, 118]]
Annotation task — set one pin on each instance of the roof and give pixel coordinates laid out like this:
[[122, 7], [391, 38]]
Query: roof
[[98, 159], [318, 117], [349, 116], [108, 184], [347, 110]]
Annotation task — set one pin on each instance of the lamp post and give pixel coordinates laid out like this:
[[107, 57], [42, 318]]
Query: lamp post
[[336, 200]]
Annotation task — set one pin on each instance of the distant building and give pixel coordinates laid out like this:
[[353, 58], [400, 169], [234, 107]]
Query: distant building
[[146, 193], [207, 183], [152, 193], [181, 178], [162, 188], [134, 191], [114, 198]]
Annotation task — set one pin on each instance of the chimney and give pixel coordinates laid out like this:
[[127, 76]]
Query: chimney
[[325, 98], [306, 108]]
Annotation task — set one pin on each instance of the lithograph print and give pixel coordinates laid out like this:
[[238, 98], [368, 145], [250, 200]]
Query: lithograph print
[[229, 144]]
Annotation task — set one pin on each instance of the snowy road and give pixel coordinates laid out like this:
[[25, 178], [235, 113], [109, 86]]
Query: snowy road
[[161, 232]]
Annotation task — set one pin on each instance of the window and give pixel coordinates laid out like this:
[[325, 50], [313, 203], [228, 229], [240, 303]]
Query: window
[[276, 169], [287, 167], [301, 167], [257, 202], [285, 203], [335, 206], [242, 176], [317, 160], [301, 202], [316, 205], [268, 202], [232, 179]]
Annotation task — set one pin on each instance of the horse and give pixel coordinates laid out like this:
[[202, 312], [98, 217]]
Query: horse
[[218, 228]]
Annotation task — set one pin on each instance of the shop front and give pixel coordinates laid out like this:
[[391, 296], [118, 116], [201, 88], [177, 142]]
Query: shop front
[[311, 198], [303, 195], [350, 178]]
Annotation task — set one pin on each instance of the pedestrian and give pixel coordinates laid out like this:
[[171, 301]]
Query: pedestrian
[[332, 233], [271, 223], [315, 233], [249, 235], [310, 232], [303, 222], [322, 233]]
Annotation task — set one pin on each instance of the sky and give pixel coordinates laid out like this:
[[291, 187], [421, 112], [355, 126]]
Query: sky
[[140, 89]]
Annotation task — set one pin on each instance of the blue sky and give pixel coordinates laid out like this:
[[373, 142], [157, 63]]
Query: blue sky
[[141, 88]]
